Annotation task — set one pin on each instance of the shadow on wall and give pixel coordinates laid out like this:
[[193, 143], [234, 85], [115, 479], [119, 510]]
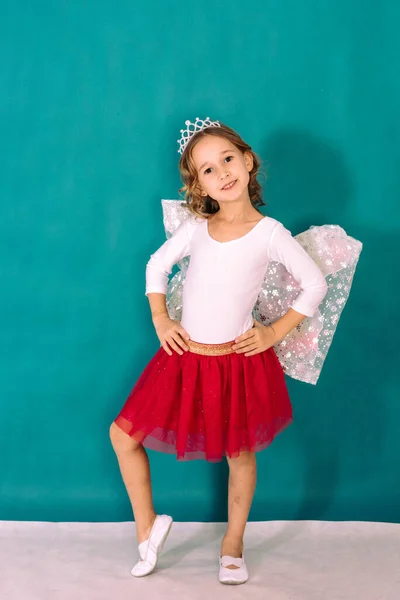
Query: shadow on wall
[[348, 436], [308, 181], [310, 184]]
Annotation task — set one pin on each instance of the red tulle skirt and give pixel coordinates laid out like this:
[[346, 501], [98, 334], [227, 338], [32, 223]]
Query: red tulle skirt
[[206, 407]]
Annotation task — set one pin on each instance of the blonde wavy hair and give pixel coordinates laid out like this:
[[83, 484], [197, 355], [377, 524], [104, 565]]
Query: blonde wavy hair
[[205, 206]]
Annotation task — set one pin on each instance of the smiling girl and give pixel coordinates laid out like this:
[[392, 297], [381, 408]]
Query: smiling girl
[[215, 389]]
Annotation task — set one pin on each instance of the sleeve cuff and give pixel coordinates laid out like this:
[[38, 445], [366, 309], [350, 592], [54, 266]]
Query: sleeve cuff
[[156, 290], [304, 307]]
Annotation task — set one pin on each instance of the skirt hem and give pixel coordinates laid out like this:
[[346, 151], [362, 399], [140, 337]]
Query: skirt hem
[[153, 442]]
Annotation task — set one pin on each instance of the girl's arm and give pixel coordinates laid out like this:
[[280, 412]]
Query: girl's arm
[[285, 324], [172, 251], [170, 333], [158, 305], [286, 250], [159, 267]]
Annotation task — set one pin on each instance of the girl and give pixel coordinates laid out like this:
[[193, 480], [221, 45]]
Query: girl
[[215, 387]]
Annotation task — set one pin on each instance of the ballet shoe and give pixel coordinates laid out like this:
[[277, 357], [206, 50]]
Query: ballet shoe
[[150, 549], [232, 576]]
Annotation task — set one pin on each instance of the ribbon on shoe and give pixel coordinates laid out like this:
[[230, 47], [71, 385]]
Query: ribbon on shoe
[[233, 576], [227, 561], [303, 351], [150, 549]]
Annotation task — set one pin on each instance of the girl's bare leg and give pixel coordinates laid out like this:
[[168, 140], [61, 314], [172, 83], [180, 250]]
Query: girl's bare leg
[[135, 470], [242, 484]]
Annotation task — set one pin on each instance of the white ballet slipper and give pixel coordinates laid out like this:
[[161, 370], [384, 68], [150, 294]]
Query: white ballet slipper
[[150, 549], [232, 576]]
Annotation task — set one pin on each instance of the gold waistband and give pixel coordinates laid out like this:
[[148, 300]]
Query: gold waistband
[[211, 349]]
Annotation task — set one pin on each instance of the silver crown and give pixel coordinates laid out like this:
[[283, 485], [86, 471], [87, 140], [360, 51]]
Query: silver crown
[[192, 128]]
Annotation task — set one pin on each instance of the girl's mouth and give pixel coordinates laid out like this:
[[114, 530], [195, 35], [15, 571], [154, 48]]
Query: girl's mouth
[[230, 185]]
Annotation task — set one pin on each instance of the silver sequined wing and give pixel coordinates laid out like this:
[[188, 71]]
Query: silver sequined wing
[[175, 213], [303, 351]]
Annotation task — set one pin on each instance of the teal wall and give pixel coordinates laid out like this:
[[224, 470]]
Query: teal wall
[[92, 97]]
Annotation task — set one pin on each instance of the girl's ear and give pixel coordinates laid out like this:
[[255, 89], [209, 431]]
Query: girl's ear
[[248, 159], [199, 191]]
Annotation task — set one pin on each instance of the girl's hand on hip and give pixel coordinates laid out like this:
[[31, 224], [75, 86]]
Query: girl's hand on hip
[[256, 340], [171, 334]]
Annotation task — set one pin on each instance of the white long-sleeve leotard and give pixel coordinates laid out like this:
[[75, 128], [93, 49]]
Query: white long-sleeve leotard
[[224, 279]]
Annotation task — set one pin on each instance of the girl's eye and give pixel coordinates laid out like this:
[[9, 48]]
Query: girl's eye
[[207, 171]]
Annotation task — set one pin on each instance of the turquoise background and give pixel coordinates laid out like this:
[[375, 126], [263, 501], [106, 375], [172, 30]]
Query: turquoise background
[[92, 97]]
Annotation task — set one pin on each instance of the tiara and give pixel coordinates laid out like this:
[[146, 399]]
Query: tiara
[[192, 128]]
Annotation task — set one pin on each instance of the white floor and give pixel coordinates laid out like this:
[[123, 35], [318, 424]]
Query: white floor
[[287, 560]]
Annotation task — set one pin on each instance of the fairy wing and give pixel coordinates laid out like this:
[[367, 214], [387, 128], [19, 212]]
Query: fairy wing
[[175, 213], [303, 351]]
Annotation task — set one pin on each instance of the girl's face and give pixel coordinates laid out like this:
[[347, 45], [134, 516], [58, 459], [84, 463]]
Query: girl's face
[[222, 169]]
